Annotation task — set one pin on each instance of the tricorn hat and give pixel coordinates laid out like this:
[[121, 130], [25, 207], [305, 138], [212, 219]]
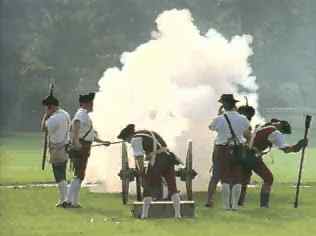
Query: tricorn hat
[[228, 98], [127, 131], [285, 125], [86, 97], [50, 100], [247, 111]]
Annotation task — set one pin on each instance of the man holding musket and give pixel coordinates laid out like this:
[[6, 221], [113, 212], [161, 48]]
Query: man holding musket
[[56, 122], [232, 129], [161, 162], [82, 136], [262, 140]]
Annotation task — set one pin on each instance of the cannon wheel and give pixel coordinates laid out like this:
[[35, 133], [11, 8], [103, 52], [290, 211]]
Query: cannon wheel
[[125, 174], [188, 170], [139, 166]]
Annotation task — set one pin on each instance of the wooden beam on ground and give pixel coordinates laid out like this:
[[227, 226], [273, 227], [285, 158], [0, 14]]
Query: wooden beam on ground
[[164, 209]]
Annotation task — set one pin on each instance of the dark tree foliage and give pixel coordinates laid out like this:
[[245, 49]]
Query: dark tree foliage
[[73, 41]]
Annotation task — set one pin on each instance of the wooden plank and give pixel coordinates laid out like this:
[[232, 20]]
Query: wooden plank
[[164, 209]]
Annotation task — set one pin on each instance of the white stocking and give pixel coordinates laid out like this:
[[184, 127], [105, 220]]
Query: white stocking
[[236, 190], [226, 195], [176, 204], [62, 187], [145, 210]]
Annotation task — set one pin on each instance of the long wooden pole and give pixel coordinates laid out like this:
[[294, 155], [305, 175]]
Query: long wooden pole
[[307, 125]]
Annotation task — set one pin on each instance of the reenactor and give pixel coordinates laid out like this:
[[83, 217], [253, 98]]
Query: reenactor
[[82, 136], [247, 111], [232, 132], [262, 140], [56, 122], [161, 163]]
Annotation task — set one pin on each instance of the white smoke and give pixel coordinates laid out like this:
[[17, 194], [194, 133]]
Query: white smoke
[[170, 84]]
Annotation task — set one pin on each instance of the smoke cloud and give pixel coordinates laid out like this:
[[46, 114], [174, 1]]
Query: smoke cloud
[[170, 84]]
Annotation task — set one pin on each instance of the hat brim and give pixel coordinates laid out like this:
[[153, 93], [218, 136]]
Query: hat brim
[[231, 101], [126, 132]]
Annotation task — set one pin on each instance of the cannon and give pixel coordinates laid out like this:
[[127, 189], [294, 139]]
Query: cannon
[[128, 175]]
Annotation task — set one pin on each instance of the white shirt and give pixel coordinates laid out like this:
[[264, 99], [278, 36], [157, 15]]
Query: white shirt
[[239, 124], [137, 146], [58, 125], [277, 139], [85, 124]]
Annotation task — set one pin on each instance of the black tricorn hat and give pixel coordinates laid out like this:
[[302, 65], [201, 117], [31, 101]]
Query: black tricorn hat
[[247, 111], [285, 125], [229, 98], [127, 131], [86, 98], [50, 100]]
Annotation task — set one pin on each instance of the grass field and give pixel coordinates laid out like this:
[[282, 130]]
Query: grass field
[[21, 157], [31, 211]]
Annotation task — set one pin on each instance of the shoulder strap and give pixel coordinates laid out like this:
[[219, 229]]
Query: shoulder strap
[[149, 134], [235, 139], [86, 134]]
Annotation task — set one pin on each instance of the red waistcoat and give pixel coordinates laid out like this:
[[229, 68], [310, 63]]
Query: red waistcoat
[[261, 141]]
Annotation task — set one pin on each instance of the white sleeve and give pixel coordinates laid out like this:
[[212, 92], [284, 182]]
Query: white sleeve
[[213, 125], [52, 124], [277, 139], [80, 116], [137, 146], [247, 123]]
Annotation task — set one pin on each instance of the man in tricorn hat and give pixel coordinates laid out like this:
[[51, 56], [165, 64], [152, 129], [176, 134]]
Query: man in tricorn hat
[[82, 135], [56, 122], [226, 165], [263, 138], [246, 110], [151, 145]]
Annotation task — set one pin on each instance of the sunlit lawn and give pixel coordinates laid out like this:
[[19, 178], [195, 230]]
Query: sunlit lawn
[[31, 211], [21, 157]]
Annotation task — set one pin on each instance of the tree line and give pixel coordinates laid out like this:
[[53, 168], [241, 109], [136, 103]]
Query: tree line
[[73, 41]]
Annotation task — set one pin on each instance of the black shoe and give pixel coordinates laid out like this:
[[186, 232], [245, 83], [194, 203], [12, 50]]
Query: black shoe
[[264, 200], [209, 204], [66, 204], [70, 205]]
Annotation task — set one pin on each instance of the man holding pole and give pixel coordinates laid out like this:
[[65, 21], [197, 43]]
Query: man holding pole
[[263, 138], [82, 136], [56, 122]]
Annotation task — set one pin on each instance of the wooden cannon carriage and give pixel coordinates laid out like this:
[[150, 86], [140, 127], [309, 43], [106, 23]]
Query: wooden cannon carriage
[[160, 208]]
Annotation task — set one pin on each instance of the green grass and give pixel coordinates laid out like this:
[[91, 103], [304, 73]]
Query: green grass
[[21, 156], [285, 166], [31, 211]]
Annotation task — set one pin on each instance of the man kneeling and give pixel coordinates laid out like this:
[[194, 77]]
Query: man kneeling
[[150, 145]]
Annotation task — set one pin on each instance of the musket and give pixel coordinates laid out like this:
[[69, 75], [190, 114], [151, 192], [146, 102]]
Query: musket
[[51, 90], [308, 119]]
